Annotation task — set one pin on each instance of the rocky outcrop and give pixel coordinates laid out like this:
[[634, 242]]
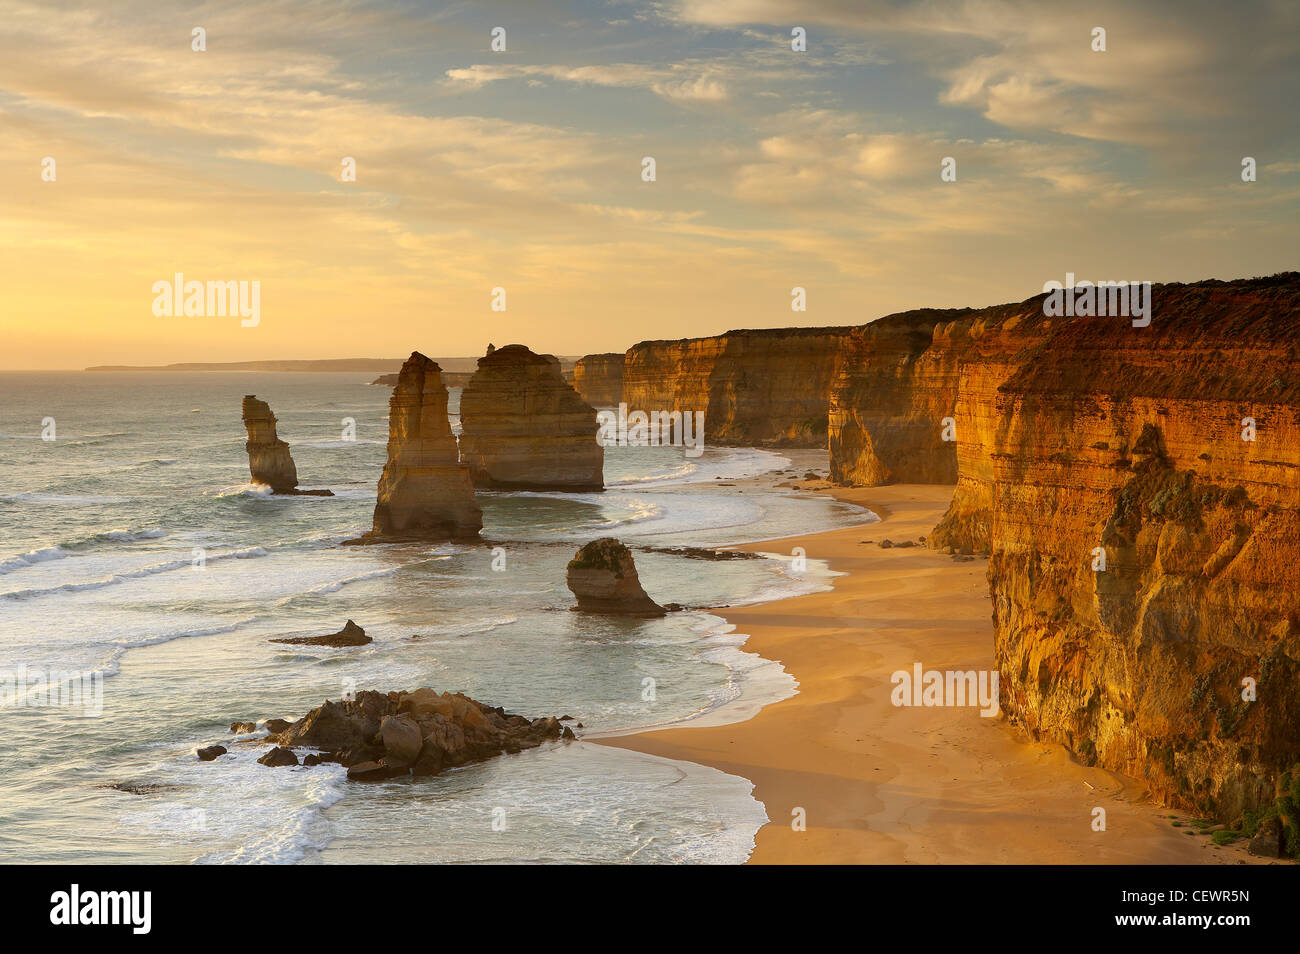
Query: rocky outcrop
[[350, 635], [424, 493], [602, 575], [1138, 489], [269, 461], [768, 387], [523, 427], [599, 379], [381, 735], [279, 757]]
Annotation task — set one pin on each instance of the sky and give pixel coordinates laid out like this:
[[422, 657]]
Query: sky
[[522, 168]]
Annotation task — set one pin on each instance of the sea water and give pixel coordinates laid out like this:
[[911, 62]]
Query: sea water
[[134, 548]]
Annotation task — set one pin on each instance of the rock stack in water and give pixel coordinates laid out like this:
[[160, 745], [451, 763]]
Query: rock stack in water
[[424, 493], [269, 461], [603, 578], [598, 378], [524, 427]]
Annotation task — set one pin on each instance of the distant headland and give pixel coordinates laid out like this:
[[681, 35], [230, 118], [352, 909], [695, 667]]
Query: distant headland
[[458, 366], [322, 364]]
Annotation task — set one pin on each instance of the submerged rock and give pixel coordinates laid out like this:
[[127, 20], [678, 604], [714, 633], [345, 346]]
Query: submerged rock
[[269, 460], [705, 553], [350, 635], [380, 735], [604, 579], [425, 493], [524, 427]]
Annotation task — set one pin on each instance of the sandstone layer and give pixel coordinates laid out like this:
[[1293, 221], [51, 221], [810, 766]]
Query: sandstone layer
[[768, 387], [1138, 489], [269, 460], [425, 492], [602, 575], [599, 379], [381, 735], [524, 427]]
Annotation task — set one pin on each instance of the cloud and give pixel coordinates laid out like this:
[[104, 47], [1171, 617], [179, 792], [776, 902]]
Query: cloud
[[677, 83]]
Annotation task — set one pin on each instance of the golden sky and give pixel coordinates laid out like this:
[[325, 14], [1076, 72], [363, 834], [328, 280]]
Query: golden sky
[[522, 168]]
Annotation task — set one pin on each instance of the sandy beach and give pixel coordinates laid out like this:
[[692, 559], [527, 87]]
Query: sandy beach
[[881, 784]]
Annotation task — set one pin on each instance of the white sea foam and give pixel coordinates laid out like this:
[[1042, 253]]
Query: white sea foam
[[32, 557], [719, 463], [116, 578]]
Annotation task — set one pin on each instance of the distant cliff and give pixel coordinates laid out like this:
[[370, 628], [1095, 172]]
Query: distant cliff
[[599, 379], [756, 387], [1139, 492]]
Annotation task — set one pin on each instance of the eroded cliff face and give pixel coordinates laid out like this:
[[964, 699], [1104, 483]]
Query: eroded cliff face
[[768, 387], [1086, 440], [598, 378], [1131, 443], [424, 492], [523, 426]]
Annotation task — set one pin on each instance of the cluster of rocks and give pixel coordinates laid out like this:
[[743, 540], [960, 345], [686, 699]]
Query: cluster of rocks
[[381, 735], [704, 553]]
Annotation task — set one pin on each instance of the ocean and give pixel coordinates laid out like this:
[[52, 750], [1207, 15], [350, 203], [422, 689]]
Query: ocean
[[135, 549]]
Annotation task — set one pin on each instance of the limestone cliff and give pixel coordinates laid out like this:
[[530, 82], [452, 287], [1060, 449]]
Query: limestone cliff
[[424, 492], [1137, 444], [523, 427], [599, 379], [767, 387], [1139, 492], [269, 460]]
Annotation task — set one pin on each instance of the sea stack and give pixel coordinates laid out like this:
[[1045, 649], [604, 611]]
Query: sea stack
[[424, 493], [524, 427], [603, 578], [598, 378], [269, 461]]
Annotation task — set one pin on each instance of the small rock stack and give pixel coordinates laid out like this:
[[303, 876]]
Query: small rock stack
[[604, 579]]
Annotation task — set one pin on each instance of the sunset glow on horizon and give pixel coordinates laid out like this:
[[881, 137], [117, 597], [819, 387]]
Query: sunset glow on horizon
[[522, 168]]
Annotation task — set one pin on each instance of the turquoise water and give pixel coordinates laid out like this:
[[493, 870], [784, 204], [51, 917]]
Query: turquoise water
[[147, 475]]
